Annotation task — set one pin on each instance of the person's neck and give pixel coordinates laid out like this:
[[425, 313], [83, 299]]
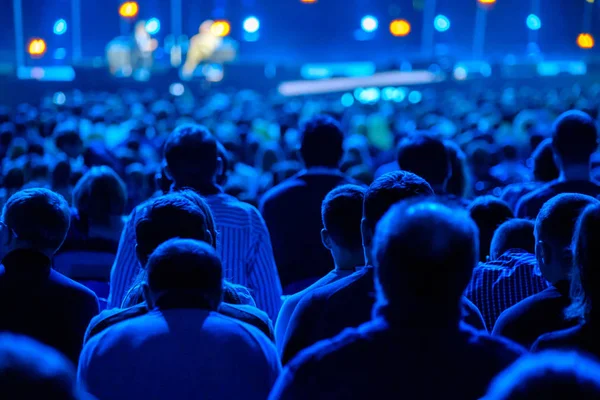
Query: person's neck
[[203, 188], [110, 231], [350, 264], [413, 314], [575, 173]]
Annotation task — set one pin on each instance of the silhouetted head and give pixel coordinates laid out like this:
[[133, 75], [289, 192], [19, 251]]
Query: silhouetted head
[[513, 234], [424, 253], [574, 138], [322, 142], [554, 228], [100, 195], [428, 158], [548, 375], [192, 157], [36, 219], [544, 166], [187, 269], [460, 181], [489, 213], [386, 191], [341, 213]]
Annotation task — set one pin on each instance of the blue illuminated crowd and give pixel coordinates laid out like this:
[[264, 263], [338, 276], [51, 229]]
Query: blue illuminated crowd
[[240, 245]]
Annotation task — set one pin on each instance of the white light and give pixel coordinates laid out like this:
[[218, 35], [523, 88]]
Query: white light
[[347, 100], [60, 27], [460, 73], [153, 26], [251, 24], [176, 89], [533, 22], [59, 98], [369, 23], [415, 97], [441, 23]]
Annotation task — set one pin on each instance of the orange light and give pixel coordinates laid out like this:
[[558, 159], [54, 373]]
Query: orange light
[[487, 1], [220, 28], [400, 27], [129, 9], [308, 1], [585, 41], [37, 47]]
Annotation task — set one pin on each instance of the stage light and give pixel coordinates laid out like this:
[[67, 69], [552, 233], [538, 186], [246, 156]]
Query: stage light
[[153, 26], [220, 28], [415, 97], [441, 23], [487, 2], [590, 1], [369, 23], [460, 73], [60, 27], [59, 98], [176, 89], [585, 41], [533, 22], [129, 9], [347, 99], [400, 27], [37, 47], [251, 24], [308, 1]]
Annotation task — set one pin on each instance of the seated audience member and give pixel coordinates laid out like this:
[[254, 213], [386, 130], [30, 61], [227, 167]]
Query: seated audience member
[[489, 213], [185, 215], [325, 312], [192, 161], [514, 234], [342, 214], [544, 312], [292, 209], [574, 139], [99, 199], [548, 375], [411, 347], [544, 171], [182, 348], [31, 370], [35, 300], [60, 181], [459, 184], [585, 286]]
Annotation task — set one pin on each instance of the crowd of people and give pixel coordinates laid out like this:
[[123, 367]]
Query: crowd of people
[[234, 245]]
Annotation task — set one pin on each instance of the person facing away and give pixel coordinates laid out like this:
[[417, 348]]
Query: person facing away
[[585, 286], [292, 209], [544, 312], [35, 300], [176, 215], [192, 161], [489, 213], [348, 302], [574, 140], [183, 348], [341, 214], [32, 370], [548, 375], [423, 254]]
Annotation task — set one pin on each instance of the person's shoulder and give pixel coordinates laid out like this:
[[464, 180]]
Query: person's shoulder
[[70, 286], [557, 339], [108, 318], [283, 188], [341, 285], [250, 315], [492, 345], [241, 332]]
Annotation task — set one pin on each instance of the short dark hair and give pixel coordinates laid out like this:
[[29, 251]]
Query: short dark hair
[[38, 216], [322, 142], [191, 154], [425, 156], [341, 213], [544, 167], [489, 213], [427, 249], [100, 194], [513, 234], [186, 264], [389, 189], [548, 375], [167, 217], [32, 370], [459, 182], [574, 137]]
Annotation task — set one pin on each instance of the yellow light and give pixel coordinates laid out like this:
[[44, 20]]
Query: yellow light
[[590, 1], [220, 28], [487, 1], [308, 1], [400, 27], [129, 9], [37, 47], [585, 41]]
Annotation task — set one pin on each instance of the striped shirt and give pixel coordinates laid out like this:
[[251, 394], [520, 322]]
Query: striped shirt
[[243, 244], [500, 284]]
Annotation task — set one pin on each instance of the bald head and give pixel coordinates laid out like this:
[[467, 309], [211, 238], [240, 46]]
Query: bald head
[[424, 250]]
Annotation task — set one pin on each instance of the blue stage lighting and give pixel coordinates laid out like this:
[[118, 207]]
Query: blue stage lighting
[[441, 23], [153, 26], [533, 22], [369, 23], [60, 27], [251, 24]]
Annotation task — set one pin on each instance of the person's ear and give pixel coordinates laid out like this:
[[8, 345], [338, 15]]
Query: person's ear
[[543, 253], [141, 256], [148, 296], [326, 239], [209, 238], [366, 232]]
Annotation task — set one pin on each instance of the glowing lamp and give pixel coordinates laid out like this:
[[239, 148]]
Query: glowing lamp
[[308, 1], [400, 27], [37, 47], [487, 2], [129, 9], [220, 28], [585, 41]]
